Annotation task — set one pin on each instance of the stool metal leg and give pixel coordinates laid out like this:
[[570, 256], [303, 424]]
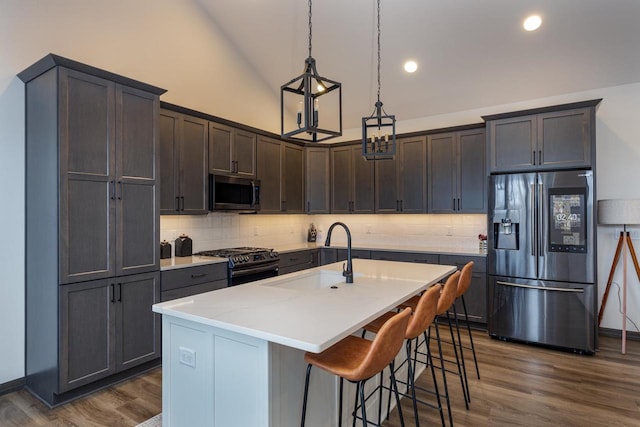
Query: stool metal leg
[[444, 371], [464, 366], [455, 352], [473, 349], [306, 393]]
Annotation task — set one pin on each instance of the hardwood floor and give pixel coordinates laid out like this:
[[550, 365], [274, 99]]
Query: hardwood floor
[[520, 385]]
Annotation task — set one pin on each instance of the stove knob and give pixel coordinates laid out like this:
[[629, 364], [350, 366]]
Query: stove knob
[[246, 258], [274, 254], [234, 259]]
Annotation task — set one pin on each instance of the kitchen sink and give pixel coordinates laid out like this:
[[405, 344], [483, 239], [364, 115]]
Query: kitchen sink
[[319, 279]]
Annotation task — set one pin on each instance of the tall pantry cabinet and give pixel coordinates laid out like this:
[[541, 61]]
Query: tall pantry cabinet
[[92, 227]]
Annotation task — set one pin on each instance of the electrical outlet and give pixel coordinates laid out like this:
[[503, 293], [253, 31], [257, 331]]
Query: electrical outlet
[[368, 228], [449, 231], [187, 356], [255, 230]]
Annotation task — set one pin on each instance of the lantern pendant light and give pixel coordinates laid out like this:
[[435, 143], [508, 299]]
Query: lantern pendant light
[[300, 100], [379, 130]]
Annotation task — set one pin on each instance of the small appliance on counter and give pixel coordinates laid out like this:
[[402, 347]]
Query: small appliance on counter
[[165, 250], [184, 245], [312, 234]]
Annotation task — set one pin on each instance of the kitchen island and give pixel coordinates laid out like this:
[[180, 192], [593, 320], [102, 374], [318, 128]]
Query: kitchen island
[[234, 357]]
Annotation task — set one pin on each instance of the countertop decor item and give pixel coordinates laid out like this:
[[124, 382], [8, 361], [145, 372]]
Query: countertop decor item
[[312, 234], [620, 212], [184, 245], [379, 130], [165, 250], [302, 95]]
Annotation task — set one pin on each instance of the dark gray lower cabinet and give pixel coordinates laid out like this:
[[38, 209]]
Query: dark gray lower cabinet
[[298, 260], [476, 296], [107, 326], [420, 257], [187, 281]]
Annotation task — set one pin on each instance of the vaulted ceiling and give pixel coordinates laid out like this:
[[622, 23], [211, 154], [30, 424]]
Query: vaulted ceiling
[[471, 53]]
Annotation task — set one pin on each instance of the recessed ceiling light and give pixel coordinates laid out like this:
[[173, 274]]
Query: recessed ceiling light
[[410, 66], [532, 23]]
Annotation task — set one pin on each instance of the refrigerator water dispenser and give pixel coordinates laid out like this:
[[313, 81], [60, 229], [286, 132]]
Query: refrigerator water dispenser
[[506, 231]]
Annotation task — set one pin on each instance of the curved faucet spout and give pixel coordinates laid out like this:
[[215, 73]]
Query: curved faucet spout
[[348, 272]]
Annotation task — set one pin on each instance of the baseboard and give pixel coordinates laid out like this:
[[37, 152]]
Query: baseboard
[[12, 386], [617, 333]]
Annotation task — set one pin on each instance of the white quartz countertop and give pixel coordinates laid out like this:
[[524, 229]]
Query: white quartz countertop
[[188, 261], [301, 310]]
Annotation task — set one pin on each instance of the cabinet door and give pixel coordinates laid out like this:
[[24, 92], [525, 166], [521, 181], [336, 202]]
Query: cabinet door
[[442, 173], [363, 182], [472, 175], [269, 168], [244, 153], [412, 176], [564, 139], [169, 163], [193, 166], [137, 205], [220, 139], [387, 198], [87, 333], [341, 180], [513, 144], [137, 326], [317, 180], [87, 177], [293, 178]]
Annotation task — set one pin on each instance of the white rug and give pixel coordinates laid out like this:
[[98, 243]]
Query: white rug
[[152, 422]]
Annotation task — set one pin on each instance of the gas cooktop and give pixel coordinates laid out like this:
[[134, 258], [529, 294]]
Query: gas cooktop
[[243, 257]]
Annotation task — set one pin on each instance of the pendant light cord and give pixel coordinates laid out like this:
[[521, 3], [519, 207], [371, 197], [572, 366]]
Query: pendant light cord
[[378, 50], [310, 28]]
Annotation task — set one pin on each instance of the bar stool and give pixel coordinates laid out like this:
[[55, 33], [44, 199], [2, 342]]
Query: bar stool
[[463, 285], [357, 359], [421, 318]]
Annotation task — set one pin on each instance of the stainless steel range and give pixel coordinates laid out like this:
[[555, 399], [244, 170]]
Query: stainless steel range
[[247, 264]]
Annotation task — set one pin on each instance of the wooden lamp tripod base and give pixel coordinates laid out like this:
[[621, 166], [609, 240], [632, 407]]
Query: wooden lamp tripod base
[[624, 243]]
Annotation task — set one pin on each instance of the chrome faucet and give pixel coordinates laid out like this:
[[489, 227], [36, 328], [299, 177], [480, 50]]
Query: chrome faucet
[[348, 272]]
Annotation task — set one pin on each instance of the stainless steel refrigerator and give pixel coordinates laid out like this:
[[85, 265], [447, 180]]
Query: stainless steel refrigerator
[[542, 259]]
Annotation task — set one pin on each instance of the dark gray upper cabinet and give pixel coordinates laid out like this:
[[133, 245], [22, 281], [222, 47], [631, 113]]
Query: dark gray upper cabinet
[[280, 167], [352, 181], [108, 155], [556, 137], [456, 172], [318, 177], [231, 151], [184, 150], [401, 184]]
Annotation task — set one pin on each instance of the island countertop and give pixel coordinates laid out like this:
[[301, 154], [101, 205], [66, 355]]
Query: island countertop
[[302, 310]]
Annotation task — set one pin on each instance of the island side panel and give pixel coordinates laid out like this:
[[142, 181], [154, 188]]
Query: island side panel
[[213, 377]]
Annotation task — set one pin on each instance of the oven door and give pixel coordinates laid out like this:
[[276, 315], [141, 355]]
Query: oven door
[[239, 276]]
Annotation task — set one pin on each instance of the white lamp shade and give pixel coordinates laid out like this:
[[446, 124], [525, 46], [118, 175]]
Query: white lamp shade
[[619, 211]]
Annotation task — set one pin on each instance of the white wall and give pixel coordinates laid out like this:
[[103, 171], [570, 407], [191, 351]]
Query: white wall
[[171, 44]]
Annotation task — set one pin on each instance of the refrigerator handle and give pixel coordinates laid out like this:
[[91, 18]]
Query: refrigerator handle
[[532, 223], [541, 216], [541, 288]]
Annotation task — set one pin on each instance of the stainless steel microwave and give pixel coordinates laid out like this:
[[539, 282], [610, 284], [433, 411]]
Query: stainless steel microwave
[[230, 193]]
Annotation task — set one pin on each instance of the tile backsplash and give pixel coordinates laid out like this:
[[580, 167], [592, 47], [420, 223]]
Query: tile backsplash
[[224, 230]]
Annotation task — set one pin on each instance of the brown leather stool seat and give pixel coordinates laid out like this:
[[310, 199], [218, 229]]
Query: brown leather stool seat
[[357, 359]]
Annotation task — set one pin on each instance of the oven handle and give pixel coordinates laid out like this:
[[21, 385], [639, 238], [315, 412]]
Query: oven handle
[[258, 269]]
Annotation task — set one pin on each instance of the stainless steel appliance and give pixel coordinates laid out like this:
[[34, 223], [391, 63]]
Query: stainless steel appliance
[[230, 193], [542, 259], [247, 264]]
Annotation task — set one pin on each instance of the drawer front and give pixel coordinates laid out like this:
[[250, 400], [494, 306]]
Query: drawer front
[[355, 253], [192, 290], [420, 257], [309, 257], [189, 276], [479, 263]]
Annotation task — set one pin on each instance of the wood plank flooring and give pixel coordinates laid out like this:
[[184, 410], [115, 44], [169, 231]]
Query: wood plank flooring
[[520, 385]]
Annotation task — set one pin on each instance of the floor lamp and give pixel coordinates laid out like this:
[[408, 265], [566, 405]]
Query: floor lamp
[[620, 212]]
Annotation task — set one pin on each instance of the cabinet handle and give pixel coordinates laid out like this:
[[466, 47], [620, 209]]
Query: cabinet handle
[[197, 276], [539, 157], [454, 203], [182, 200], [112, 189], [120, 188], [533, 157], [397, 205], [401, 205], [458, 203], [177, 204], [113, 293], [384, 258], [353, 206], [119, 292]]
